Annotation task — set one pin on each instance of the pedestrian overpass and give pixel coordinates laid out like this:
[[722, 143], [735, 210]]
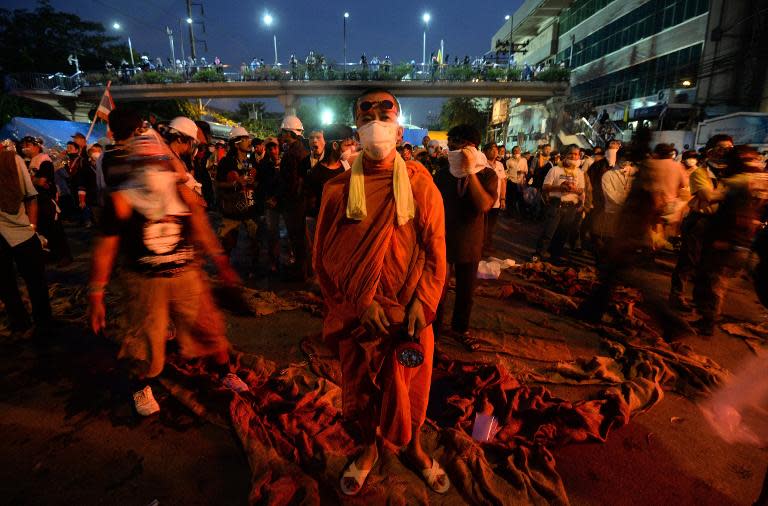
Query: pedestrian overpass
[[76, 104]]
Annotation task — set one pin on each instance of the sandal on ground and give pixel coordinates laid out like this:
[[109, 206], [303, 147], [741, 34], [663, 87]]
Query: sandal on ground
[[359, 475], [469, 342], [431, 476]]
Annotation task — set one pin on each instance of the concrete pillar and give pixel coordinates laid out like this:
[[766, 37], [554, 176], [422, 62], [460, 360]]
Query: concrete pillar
[[290, 103]]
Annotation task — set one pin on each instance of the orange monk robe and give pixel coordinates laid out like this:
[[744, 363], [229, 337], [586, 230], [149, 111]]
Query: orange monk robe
[[358, 262]]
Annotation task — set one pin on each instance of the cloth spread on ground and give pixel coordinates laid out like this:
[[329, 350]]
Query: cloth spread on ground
[[755, 336], [297, 442]]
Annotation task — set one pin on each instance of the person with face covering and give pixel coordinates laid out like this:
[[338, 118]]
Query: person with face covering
[[380, 261], [703, 204], [564, 186], [469, 189], [49, 223]]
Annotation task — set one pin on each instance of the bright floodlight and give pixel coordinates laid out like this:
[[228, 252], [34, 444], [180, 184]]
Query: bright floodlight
[[346, 14], [326, 117], [506, 18], [268, 19], [116, 26], [426, 17], [686, 83], [189, 20]]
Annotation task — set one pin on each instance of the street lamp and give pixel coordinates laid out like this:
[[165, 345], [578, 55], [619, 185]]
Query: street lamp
[[346, 17], [426, 17], [268, 20], [326, 117], [117, 27], [509, 60]]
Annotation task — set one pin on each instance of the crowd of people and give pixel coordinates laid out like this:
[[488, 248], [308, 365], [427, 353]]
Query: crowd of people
[[377, 224]]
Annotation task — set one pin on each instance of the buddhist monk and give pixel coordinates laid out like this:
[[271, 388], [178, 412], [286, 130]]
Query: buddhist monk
[[380, 261]]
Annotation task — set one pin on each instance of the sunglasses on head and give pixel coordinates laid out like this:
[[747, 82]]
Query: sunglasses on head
[[386, 105]]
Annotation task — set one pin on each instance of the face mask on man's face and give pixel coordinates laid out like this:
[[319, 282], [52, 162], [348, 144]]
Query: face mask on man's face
[[691, 162], [517, 156], [378, 138], [71, 156]]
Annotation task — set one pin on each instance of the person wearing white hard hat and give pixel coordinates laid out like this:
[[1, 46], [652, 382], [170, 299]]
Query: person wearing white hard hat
[[182, 137], [290, 200], [236, 180]]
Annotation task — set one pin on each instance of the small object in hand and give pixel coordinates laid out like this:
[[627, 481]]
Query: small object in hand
[[409, 351]]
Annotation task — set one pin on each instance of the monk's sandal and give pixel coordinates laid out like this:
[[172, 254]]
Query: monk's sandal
[[431, 476], [359, 475]]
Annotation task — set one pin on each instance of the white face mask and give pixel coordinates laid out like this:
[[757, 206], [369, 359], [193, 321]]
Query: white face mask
[[517, 156], [379, 138], [691, 162], [610, 155]]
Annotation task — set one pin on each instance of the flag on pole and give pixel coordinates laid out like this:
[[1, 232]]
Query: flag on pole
[[106, 105]]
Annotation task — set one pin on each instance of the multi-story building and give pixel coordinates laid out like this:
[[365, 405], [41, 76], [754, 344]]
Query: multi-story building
[[668, 63]]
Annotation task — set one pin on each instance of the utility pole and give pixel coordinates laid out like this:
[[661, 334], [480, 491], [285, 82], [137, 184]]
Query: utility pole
[[193, 52], [181, 42], [170, 41]]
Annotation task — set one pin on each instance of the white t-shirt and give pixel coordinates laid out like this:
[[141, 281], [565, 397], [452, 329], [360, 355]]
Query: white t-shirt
[[517, 170], [558, 175], [15, 228], [501, 175], [616, 185]]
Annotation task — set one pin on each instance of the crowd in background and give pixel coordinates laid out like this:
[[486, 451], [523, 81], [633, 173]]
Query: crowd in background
[[264, 196]]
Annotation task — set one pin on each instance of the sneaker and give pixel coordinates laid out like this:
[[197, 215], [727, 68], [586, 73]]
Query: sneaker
[[233, 382], [145, 402]]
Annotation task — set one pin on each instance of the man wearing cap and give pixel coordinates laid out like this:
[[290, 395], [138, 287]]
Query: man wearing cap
[[380, 261], [48, 221], [406, 151], [290, 201], [236, 178]]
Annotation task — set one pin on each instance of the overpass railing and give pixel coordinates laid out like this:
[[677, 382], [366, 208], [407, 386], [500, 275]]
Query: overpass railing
[[299, 72]]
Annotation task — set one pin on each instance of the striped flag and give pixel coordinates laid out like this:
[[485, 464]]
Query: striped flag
[[106, 105]]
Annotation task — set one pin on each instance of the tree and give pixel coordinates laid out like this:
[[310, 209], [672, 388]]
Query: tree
[[463, 110], [40, 40]]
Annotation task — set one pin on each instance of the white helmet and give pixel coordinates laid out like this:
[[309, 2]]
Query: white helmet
[[293, 124], [238, 132], [184, 126]]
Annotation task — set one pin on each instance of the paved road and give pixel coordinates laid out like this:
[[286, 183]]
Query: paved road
[[68, 440]]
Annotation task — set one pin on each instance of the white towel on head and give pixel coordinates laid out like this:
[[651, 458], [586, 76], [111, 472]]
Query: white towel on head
[[401, 186]]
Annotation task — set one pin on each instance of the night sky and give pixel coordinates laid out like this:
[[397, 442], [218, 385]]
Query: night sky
[[234, 30]]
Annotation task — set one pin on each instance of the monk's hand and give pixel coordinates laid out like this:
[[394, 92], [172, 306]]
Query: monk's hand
[[416, 319], [374, 319]]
